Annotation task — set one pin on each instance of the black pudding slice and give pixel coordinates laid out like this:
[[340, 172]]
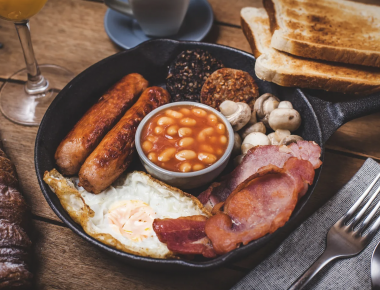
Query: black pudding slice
[[188, 72]]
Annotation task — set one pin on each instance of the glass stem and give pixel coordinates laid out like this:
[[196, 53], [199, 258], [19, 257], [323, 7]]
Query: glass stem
[[36, 83]]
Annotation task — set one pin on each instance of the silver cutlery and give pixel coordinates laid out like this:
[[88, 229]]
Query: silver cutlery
[[375, 268], [346, 239]]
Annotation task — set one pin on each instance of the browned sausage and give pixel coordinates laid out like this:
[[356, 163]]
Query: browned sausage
[[97, 121], [115, 152]]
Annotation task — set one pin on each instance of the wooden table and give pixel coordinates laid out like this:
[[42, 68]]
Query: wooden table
[[71, 33]]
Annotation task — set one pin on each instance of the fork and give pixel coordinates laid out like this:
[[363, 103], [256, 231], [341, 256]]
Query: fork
[[345, 239]]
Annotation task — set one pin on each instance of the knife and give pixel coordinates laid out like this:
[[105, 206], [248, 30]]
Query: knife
[[375, 268]]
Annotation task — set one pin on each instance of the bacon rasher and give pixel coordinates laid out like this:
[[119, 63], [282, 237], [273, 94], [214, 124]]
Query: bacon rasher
[[247, 206], [185, 235], [260, 205], [256, 158]]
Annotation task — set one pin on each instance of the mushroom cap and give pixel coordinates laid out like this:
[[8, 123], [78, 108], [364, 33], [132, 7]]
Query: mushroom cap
[[245, 147], [258, 127], [285, 105], [228, 107], [264, 105], [253, 119], [286, 119], [240, 117], [256, 138]]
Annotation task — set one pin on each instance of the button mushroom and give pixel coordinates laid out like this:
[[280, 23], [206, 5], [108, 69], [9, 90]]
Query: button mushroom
[[237, 144], [286, 119], [238, 114], [290, 139], [253, 119], [252, 140], [285, 105], [258, 127], [276, 137], [264, 105]]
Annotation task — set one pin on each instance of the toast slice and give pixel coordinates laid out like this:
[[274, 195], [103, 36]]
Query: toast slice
[[332, 30], [287, 70]]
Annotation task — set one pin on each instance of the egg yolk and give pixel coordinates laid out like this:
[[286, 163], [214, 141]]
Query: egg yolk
[[132, 218]]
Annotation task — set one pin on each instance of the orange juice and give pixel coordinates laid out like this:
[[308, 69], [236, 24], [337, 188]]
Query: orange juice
[[17, 10]]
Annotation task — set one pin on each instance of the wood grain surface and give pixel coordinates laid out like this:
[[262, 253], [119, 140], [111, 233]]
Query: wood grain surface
[[71, 33]]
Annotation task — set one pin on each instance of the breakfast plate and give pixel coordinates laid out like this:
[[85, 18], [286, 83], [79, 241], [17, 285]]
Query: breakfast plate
[[319, 120]]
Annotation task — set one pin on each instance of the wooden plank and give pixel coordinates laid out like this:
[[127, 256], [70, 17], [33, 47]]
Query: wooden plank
[[338, 170], [64, 261], [77, 38], [229, 36], [360, 137], [227, 11], [67, 33]]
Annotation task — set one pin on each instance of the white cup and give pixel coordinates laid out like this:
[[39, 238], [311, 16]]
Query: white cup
[[156, 17]]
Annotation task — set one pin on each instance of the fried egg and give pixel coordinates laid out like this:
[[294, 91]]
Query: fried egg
[[122, 215]]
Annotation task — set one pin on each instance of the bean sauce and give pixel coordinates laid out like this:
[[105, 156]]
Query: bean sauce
[[184, 138]]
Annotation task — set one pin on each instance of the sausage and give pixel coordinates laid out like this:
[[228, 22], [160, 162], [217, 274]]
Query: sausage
[[98, 120], [115, 152]]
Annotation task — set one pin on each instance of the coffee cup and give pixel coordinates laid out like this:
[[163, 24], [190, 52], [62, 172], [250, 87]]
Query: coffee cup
[[157, 18]]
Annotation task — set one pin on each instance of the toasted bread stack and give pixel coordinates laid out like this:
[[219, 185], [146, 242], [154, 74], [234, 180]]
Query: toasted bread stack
[[332, 45]]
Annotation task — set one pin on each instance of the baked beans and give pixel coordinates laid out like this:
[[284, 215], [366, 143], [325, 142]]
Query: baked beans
[[184, 138]]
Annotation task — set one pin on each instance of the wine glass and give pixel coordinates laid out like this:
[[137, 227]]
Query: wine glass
[[26, 95]]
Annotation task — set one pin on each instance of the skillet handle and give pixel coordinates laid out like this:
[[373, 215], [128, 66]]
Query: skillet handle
[[333, 115]]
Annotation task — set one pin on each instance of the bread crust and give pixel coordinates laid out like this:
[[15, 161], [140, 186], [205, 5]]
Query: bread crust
[[305, 73], [269, 7], [325, 52], [325, 38], [301, 80], [250, 38]]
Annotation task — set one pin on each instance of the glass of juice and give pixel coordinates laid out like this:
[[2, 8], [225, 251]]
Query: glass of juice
[[26, 95]]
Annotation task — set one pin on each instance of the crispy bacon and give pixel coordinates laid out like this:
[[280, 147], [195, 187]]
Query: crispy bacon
[[257, 198], [260, 205], [256, 158], [185, 235]]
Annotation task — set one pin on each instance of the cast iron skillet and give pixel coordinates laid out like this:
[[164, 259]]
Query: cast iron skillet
[[319, 120]]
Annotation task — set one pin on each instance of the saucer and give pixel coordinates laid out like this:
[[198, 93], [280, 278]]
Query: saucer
[[126, 32]]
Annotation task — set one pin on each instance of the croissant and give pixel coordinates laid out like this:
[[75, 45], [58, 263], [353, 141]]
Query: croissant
[[14, 241]]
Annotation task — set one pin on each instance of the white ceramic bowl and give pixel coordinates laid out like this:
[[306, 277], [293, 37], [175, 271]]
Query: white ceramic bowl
[[185, 180]]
